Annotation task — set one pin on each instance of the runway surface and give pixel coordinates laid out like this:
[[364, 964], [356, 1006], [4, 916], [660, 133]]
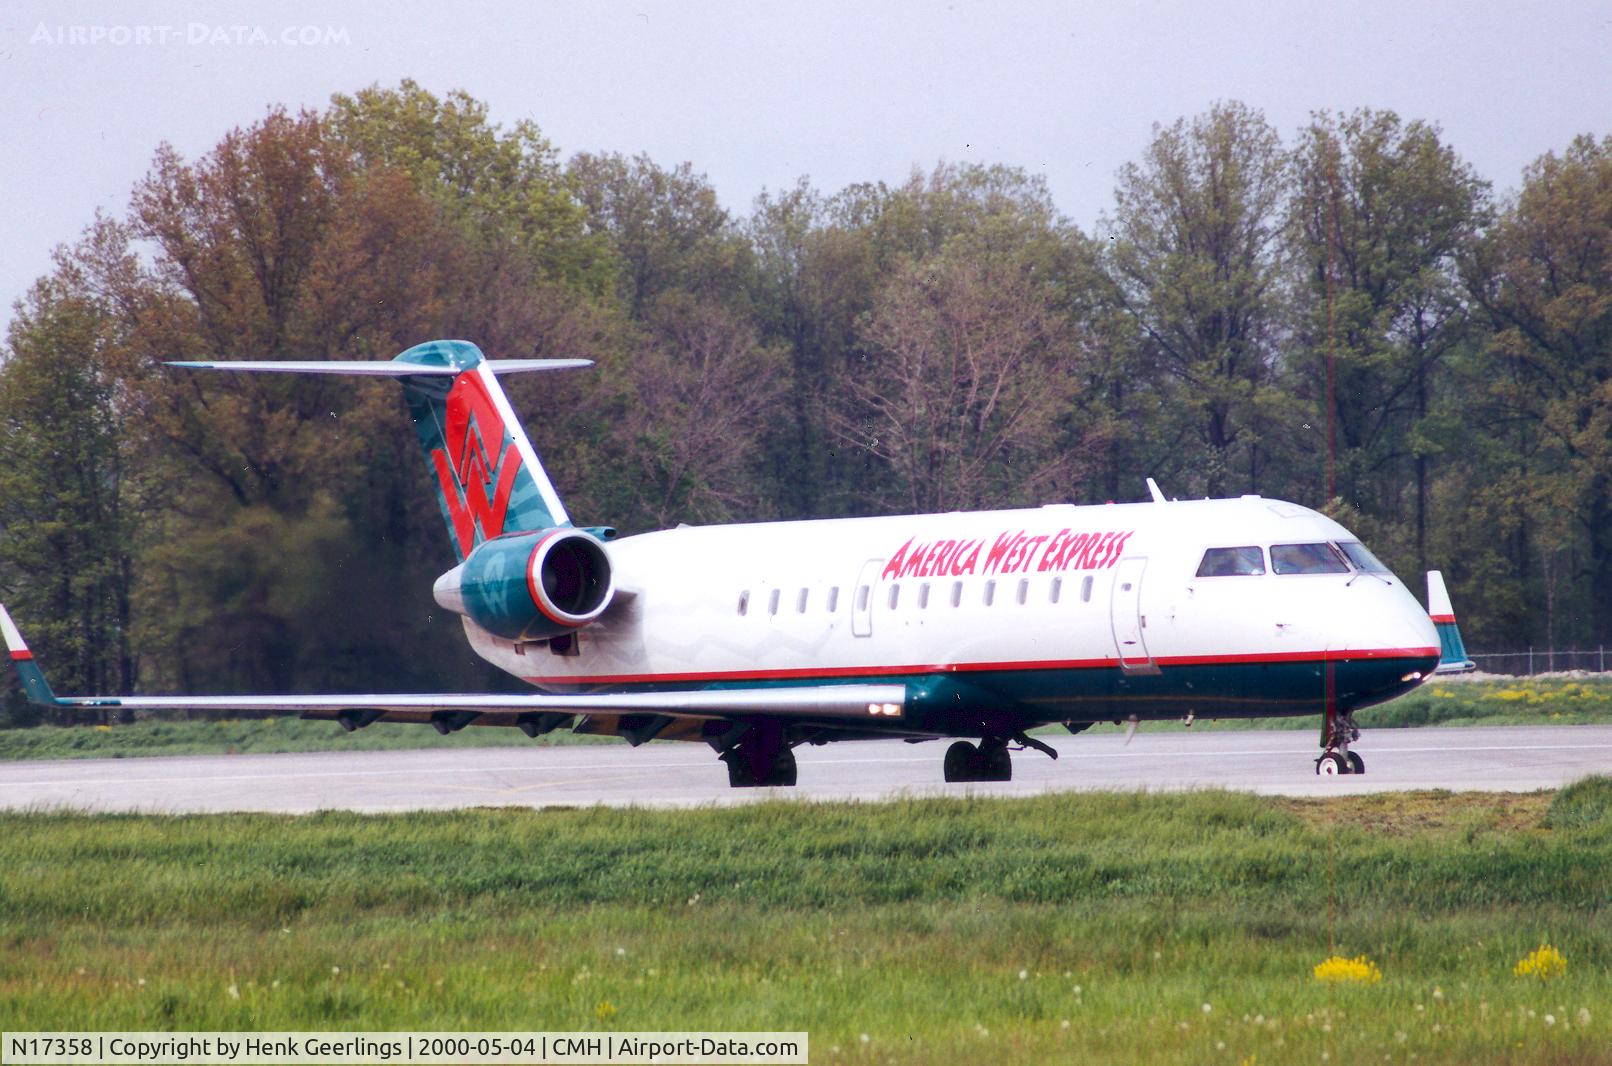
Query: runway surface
[[1513, 759]]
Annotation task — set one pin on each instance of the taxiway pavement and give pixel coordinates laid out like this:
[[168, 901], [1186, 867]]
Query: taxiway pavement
[[1502, 759]]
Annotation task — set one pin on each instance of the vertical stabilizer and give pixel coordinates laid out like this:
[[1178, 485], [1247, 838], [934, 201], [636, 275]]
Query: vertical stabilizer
[[488, 477], [1452, 651]]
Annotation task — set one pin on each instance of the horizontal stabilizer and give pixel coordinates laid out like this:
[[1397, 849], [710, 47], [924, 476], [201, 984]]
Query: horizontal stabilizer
[[383, 368]]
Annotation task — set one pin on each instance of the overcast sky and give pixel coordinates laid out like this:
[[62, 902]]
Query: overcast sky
[[757, 94]]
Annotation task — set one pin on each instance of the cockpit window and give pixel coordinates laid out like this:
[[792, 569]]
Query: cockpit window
[[1362, 558], [1232, 562], [1307, 559]]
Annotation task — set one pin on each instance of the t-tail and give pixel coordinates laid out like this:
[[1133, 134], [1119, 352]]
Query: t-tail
[[1452, 651], [525, 573], [488, 478]]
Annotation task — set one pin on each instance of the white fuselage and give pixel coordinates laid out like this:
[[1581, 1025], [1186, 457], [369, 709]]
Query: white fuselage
[[1108, 592]]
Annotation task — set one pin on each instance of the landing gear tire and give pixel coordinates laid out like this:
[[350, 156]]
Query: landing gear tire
[[739, 775], [783, 771], [994, 762], [1338, 731], [760, 765], [990, 761], [1331, 764], [960, 760]]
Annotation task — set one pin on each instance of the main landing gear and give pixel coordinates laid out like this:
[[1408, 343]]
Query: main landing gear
[[1336, 736], [989, 761], [761, 758]]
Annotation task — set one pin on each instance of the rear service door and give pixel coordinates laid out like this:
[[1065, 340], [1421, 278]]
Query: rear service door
[[1130, 625]]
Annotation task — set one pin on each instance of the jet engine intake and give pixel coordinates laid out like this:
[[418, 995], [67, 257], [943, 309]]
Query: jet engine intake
[[531, 586]]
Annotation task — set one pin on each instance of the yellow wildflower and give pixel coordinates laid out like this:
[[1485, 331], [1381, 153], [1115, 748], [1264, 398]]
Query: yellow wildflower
[[605, 1010], [1544, 963], [1359, 970]]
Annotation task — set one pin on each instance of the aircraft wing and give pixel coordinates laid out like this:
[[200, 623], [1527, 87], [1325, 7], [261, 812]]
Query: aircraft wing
[[856, 701]]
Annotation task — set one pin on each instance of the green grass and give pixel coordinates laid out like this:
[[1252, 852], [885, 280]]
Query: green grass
[[257, 736], [1457, 702], [946, 930], [1524, 701]]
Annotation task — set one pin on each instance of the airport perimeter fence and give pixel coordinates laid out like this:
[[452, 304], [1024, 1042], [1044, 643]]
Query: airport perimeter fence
[[1541, 661]]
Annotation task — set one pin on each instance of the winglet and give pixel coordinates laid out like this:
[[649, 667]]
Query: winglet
[[1153, 489], [1452, 650], [33, 678]]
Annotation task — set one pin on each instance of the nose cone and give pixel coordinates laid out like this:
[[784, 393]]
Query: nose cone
[[1379, 617], [1384, 641], [1410, 628]]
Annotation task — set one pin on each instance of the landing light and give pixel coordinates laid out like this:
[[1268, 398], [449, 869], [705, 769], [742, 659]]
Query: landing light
[[892, 710], [1414, 675]]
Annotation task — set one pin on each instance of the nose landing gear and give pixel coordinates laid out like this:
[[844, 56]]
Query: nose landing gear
[[1337, 733]]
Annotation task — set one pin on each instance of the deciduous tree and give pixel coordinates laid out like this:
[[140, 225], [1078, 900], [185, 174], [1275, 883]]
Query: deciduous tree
[[1196, 261]]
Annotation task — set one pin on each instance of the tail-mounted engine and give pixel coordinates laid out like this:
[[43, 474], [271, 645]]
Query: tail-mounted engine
[[530, 586]]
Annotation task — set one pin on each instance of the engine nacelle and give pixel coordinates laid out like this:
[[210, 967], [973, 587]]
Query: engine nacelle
[[530, 586]]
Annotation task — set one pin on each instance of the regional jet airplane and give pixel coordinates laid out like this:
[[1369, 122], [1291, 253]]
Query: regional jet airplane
[[976, 627]]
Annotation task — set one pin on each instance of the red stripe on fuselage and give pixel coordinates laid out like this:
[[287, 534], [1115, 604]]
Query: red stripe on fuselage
[[802, 673]]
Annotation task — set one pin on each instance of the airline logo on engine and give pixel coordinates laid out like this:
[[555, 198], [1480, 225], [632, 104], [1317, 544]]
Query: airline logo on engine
[[477, 474], [1009, 553]]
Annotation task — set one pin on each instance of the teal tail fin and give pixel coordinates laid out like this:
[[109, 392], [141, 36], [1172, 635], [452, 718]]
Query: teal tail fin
[[1452, 650], [488, 477]]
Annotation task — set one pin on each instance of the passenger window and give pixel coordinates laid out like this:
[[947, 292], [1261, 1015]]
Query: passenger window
[[1024, 591], [862, 597], [1307, 559], [923, 594], [744, 602], [1085, 590], [833, 598], [990, 593], [800, 602], [772, 602], [895, 596], [1232, 562], [1057, 588], [957, 593]]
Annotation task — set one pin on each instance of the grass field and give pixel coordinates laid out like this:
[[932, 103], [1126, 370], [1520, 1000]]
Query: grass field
[[257, 736], [1461, 701], [1070, 928], [1521, 701]]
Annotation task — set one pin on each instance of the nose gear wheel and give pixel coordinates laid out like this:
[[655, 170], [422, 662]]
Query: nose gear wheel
[[1336, 736]]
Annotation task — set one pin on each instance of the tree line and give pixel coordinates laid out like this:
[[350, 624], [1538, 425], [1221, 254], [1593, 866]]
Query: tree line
[[1348, 317]]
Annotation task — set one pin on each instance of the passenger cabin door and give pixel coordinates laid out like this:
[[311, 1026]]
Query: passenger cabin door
[[1125, 612], [862, 598]]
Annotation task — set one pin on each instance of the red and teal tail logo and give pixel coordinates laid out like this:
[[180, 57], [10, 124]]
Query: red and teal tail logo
[[488, 478]]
